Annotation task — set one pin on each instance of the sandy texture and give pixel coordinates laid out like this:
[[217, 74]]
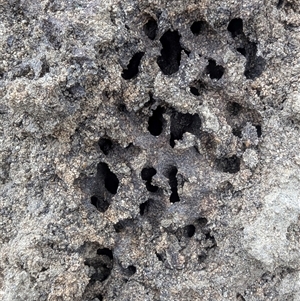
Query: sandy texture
[[149, 150]]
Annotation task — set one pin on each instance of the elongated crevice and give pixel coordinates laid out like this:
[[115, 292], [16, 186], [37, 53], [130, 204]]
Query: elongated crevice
[[170, 58], [156, 121], [111, 181], [133, 66], [172, 172], [255, 65]]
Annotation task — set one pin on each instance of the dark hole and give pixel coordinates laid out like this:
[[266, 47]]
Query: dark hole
[[215, 71], [174, 197], [173, 184], [202, 221], [102, 272], [231, 164], [143, 208], [194, 91], [45, 68], [150, 29], [151, 208], [99, 297], [235, 26], [198, 27], [181, 123], [237, 132], [111, 181], [155, 123], [119, 227], [172, 140], [239, 297], [169, 60], [190, 230], [44, 269], [122, 108], [159, 257], [258, 129], [234, 108], [186, 51], [100, 275], [105, 251], [131, 270], [76, 90], [208, 236], [105, 145], [280, 4], [102, 265], [202, 257], [151, 187], [122, 224], [133, 66], [172, 176], [99, 203], [255, 65], [242, 51], [147, 173]]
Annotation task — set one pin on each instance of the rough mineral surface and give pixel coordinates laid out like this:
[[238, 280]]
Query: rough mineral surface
[[150, 150]]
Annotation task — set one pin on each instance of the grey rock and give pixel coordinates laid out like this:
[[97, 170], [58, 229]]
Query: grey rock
[[149, 150]]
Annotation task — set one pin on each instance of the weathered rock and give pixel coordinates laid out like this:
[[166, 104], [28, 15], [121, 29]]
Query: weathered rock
[[149, 150]]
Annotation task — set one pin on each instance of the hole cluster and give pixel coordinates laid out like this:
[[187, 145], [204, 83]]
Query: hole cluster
[[155, 206]]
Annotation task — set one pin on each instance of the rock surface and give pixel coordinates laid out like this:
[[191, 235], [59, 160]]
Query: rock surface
[[150, 150]]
